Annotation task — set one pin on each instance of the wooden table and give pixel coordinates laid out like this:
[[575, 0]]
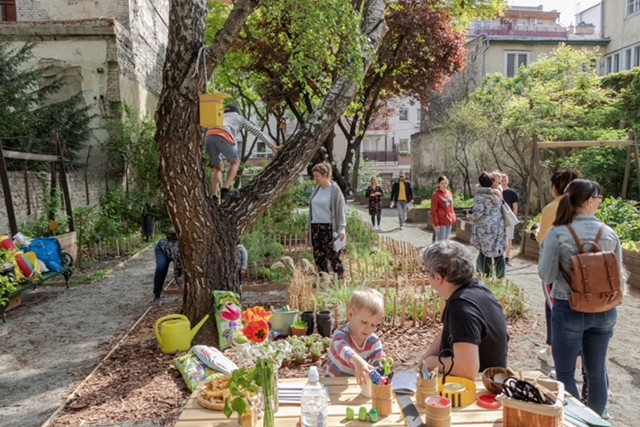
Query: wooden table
[[344, 393]]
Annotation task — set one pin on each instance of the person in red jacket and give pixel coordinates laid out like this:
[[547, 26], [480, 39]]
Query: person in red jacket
[[442, 212]]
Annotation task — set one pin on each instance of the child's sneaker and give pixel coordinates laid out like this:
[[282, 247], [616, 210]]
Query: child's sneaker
[[225, 194]]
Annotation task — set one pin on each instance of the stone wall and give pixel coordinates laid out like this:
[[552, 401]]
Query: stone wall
[[63, 10], [39, 184]]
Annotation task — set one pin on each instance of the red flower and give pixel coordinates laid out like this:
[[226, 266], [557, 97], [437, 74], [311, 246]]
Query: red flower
[[256, 313], [257, 331]]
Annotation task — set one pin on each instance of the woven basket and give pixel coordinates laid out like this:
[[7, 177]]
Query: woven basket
[[488, 375], [519, 413]]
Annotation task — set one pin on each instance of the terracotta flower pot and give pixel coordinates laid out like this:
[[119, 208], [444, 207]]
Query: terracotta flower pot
[[298, 332]]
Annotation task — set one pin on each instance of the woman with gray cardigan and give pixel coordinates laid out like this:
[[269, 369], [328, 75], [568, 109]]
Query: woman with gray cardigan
[[327, 220]]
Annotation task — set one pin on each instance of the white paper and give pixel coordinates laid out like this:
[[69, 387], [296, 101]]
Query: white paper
[[405, 382], [340, 244]]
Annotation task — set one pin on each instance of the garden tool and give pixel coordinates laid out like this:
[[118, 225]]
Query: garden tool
[[174, 332]]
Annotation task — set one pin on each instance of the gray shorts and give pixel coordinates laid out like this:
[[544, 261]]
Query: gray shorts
[[510, 231], [217, 147]]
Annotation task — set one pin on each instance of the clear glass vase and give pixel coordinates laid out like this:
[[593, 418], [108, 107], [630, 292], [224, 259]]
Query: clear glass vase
[[269, 384]]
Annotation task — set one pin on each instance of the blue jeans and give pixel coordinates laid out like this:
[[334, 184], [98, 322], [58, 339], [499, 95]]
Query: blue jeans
[[485, 263], [162, 267], [444, 233], [402, 212], [590, 332]]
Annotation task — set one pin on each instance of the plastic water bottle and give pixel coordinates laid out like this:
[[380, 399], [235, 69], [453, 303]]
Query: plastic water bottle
[[313, 403]]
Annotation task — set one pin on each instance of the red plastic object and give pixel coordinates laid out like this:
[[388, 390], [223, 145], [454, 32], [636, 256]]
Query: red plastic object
[[23, 265], [489, 401], [7, 243]]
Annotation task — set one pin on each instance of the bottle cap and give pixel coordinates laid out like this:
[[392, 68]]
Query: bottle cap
[[314, 375]]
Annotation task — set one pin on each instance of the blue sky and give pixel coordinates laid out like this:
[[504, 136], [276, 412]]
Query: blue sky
[[567, 8]]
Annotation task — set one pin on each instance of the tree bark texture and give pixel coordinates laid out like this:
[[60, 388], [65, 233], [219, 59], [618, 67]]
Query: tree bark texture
[[208, 233]]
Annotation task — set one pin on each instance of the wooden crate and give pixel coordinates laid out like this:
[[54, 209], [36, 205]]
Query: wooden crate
[[69, 243], [463, 231], [419, 215], [631, 261], [530, 248], [14, 302], [519, 413]]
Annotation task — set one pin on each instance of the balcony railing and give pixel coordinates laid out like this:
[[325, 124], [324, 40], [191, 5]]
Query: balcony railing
[[520, 31], [380, 156]]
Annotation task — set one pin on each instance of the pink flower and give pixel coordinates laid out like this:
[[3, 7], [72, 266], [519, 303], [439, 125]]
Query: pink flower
[[231, 313]]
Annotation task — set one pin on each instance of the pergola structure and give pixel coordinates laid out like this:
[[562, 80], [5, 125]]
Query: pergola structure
[[536, 167], [58, 165]]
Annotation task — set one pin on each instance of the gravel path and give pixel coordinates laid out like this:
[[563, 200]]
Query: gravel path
[[58, 336]]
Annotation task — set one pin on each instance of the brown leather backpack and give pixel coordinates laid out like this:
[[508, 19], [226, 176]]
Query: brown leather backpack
[[595, 280]]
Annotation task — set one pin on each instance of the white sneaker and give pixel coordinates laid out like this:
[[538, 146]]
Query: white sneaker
[[546, 358]]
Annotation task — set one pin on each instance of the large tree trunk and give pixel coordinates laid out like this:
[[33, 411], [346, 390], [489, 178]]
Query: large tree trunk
[[208, 233]]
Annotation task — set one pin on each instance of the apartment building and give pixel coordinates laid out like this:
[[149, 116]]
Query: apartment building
[[503, 45], [621, 24]]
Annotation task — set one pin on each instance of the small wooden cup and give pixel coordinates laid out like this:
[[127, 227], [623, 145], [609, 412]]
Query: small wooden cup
[[382, 399], [426, 388], [438, 412]]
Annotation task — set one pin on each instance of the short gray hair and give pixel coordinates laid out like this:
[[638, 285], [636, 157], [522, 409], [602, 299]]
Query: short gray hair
[[451, 260]]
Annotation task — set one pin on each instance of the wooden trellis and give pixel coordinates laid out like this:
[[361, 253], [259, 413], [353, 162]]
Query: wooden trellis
[[58, 166], [536, 167]]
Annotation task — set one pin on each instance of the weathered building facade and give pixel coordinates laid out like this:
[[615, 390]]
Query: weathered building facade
[[112, 51]]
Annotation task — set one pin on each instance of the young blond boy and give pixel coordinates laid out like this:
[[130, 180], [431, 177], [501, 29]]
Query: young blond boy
[[355, 348]]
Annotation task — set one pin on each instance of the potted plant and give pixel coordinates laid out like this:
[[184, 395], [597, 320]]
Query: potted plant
[[299, 328], [244, 389], [316, 350]]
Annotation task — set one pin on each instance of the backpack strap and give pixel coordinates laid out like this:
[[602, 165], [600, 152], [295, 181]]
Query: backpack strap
[[596, 246]]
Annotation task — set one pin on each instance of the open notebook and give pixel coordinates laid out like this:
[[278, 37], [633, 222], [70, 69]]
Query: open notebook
[[405, 382]]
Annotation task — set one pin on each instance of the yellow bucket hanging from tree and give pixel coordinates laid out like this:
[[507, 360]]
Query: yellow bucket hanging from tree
[[212, 109]]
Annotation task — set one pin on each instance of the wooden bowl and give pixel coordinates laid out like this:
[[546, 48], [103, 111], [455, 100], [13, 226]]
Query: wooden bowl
[[489, 378], [208, 404]]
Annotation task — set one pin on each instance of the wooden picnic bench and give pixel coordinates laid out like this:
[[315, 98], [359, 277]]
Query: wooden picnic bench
[[38, 279]]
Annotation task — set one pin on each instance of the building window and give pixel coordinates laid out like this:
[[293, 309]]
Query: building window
[[403, 145], [418, 114], [8, 11], [515, 60], [616, 62], [633, 6], [608, 66], [404, 114], [627, 59]]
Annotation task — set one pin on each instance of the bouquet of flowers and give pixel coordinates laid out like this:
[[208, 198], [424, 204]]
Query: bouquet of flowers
[[258, 357]]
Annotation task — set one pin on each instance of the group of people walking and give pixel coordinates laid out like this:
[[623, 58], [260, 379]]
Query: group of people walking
[[476, 345]]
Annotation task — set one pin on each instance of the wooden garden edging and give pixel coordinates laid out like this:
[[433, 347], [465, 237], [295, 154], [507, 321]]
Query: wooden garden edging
[[630, 260]]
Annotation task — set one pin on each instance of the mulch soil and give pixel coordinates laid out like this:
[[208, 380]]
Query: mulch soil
[[136, 381]]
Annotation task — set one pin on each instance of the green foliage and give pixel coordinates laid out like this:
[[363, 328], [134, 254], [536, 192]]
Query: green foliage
[[40, 227], [603, 165], [623, 216], [508, 294], [132, 143], [627, 85], [8, 285], [459, 202], [28, 109], [360, 239], [243, 385]]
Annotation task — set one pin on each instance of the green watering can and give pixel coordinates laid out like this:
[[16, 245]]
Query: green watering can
[[174, 332]]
